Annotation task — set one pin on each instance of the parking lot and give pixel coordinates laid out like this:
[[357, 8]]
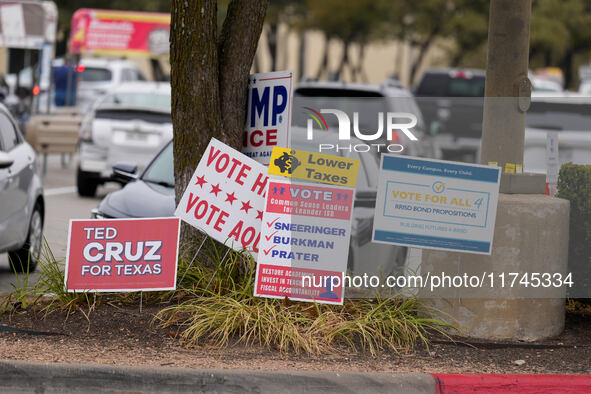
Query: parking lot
[[62, 204]]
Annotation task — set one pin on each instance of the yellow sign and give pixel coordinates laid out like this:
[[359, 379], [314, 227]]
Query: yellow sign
[[312, 166]]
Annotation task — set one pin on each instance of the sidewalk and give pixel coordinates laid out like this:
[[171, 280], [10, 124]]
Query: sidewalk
[[18, 376]]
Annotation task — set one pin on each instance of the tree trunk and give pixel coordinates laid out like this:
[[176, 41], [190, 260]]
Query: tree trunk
[[457, 58], [567, 68], [359, 70], [195, 84], [302, 56], [344, 60], [238, 44], [423, 48], [324, 63], [272, 44], [209, 79]]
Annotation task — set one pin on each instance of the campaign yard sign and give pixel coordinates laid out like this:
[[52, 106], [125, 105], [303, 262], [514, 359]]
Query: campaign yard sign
[[122, 255], [304, 242], [435, 204], [313, 166], [226, 197], [268, 114]]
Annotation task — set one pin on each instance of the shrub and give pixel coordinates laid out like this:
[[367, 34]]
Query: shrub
[[574, 184]]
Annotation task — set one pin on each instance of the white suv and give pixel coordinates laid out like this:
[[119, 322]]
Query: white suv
[[100, 76], [368, 101], [130, 124]]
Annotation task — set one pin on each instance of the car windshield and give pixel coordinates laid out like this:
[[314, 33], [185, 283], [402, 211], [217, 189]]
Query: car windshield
[[161, 170], [444, 85], [150, 100], [571, 116], [366, 103], [95, 74]]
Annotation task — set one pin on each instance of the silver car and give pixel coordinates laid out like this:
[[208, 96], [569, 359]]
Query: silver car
[[130, 124], [22, 206]]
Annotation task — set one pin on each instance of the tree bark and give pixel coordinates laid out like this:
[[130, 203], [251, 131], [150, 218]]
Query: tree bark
[[237, 47], [194, 83], [209, 79]]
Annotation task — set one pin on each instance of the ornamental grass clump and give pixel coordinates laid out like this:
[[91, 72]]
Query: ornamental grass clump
[[216, 307]]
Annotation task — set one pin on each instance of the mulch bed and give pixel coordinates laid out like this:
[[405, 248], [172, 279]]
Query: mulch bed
[[121, 335]]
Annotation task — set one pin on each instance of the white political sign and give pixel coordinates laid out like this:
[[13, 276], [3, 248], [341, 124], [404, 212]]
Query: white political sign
[[436, 204], [226, 197], [268, 114], [304, 242]]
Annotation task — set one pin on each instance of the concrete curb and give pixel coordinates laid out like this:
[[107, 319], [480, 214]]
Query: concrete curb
[[36, 377], [23, 377]]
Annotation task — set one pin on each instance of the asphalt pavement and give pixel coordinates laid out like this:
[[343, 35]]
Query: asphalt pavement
[[62, 203]]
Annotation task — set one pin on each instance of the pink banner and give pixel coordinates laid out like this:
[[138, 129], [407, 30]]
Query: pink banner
[[119, 33]]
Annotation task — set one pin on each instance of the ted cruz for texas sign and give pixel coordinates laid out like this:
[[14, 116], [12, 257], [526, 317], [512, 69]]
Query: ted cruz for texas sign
[[122, 255]]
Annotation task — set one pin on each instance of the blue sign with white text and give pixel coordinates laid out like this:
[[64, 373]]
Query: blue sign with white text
[[435, 204]]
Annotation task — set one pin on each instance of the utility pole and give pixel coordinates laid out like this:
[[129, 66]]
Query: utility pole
[[531, 229], [508, 89]]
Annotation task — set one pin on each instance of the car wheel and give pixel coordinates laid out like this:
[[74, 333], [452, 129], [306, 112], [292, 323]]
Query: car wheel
[[86, 184], [26, 258]]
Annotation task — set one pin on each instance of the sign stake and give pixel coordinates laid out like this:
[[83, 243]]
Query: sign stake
[[190, 265], [216, 271]]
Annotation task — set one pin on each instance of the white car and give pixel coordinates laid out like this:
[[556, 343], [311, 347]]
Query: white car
[[22, 206], [100, 76], [585, 87], [567, 113], [368, 101], [130, 124]]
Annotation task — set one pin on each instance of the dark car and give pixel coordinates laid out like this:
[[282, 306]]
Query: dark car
[[149, 195], [452, 101]]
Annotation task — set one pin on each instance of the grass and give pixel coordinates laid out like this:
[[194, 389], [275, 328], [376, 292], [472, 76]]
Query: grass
[[49, 286], [225, 311], [214, 304]]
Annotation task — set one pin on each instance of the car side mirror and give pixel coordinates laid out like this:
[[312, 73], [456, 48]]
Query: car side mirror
[[124, 172], [5, 160]]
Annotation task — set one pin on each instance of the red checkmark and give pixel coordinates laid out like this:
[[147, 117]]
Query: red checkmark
[[270, 224], [271, 236], [267, 251]]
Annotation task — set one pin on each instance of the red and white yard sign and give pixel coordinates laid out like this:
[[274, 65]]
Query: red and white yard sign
[[122, 255], [226, 197], [268, 114], [304, 242]]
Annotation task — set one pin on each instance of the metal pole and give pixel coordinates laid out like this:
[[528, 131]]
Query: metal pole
[[507, 88], [69, 80]]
